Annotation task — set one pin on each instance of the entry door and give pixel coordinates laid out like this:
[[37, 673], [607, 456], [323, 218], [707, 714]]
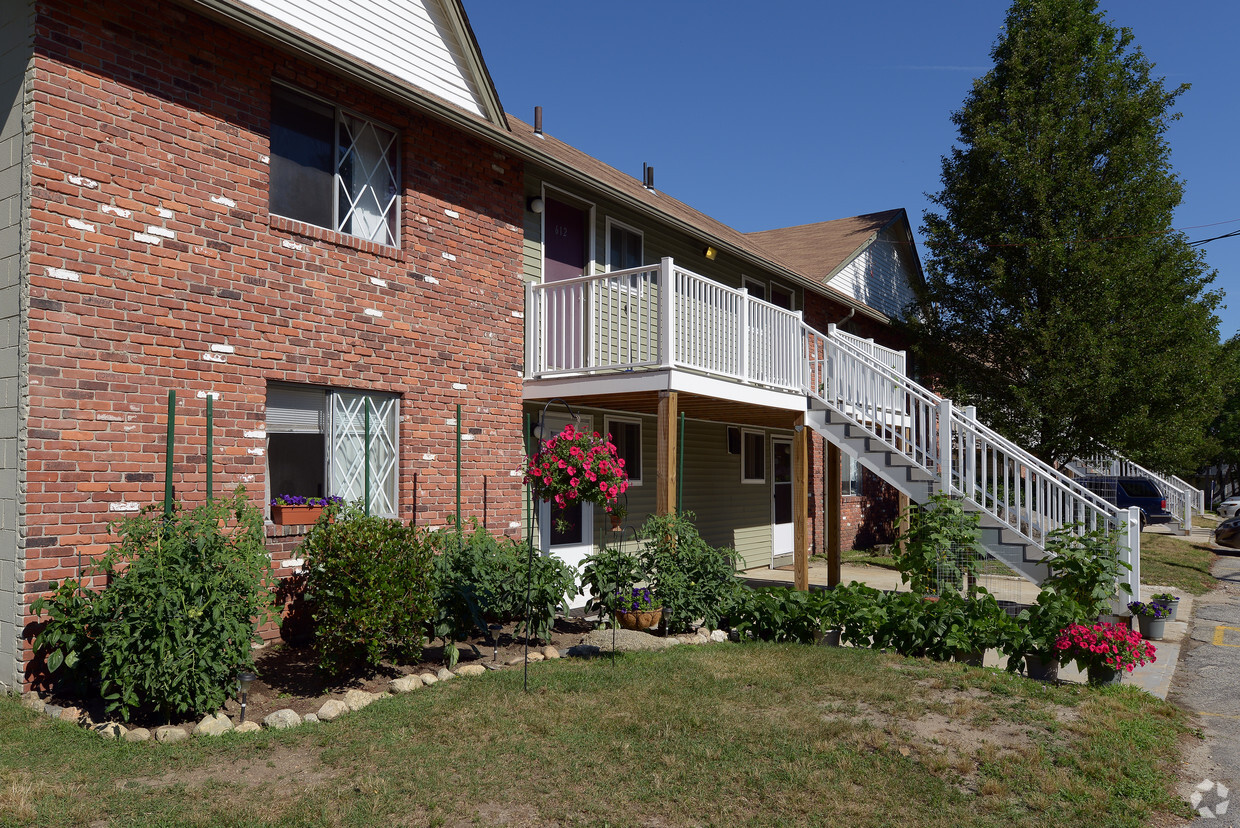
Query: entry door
[[572, 542], [565, 254], [781, 499]]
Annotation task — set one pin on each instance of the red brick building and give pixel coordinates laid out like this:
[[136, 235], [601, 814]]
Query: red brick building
[[239, 201]]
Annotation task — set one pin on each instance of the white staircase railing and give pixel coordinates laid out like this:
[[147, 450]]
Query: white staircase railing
[[964, 456], [1182, 498]]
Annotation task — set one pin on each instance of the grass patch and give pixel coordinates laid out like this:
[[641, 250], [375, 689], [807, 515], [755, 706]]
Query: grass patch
[[1174, 562], [867, 557], [747, 735]]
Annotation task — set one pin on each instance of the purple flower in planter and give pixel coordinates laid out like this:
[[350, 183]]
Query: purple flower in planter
[[640, 599], [301, 500]]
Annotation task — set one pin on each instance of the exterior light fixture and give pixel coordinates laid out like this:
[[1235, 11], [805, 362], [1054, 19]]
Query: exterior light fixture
[[244, 680], [710, 252], [535, 204]]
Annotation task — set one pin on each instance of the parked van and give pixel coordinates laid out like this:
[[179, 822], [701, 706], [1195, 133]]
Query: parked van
[[1131, 491]]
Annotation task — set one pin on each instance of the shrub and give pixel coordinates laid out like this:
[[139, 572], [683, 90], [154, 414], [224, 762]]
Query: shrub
[[369, 582], [780, 614], [606, 576], [176, 622], [551, 580], [941, 546]]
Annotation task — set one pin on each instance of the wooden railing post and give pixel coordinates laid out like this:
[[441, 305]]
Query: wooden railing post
[[667, 313], [945, 446]]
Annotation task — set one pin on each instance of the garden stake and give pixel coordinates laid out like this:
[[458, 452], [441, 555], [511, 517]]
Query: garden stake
[[460, 539], [529, 563], [172, 409], [210, 444], [366, 449]]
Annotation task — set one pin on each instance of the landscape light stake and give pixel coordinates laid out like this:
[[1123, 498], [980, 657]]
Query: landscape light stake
[[244, 680], [529, 562]]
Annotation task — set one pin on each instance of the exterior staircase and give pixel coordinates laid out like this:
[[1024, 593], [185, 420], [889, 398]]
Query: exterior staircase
[[1183, 499], [920, 443]]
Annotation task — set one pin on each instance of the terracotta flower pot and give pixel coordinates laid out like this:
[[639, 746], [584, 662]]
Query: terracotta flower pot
[[640, 620]]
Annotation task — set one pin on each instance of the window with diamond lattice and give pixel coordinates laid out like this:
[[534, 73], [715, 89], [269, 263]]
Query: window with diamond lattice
[[333, 169], [317, 445]]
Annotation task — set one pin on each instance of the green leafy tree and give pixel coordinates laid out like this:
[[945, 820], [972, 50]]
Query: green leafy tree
[[1224, 432], [1059, 299]]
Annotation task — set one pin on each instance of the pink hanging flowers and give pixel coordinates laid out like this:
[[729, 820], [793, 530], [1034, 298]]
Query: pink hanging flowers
[[577, 466]]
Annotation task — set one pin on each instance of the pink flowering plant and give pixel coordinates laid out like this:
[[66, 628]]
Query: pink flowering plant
[[1112, 646], [577, 466]]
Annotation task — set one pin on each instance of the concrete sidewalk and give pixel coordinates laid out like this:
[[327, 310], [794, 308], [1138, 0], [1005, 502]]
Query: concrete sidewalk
[[1154, 678]]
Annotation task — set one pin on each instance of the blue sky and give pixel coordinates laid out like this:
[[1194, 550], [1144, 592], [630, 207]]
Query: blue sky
[[810, 111]]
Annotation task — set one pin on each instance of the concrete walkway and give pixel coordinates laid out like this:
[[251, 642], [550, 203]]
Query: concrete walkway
[[1154, 678]]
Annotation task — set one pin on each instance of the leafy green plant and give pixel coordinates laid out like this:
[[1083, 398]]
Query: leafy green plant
[[175, 624], [692, 579], [369, 583], [858, 611], [550, 580], [1085, 568], [779, 614], [941, 546], [605, 575]]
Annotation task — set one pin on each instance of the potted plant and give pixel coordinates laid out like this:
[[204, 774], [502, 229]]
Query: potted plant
[[980, 626], [1171, 602], [638, 609], [1105, 651], [1151, 617], [296, 510], [607, 576], [1031, 641], [576, 466]]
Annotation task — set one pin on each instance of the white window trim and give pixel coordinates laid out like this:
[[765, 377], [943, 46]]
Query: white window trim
[[609, 223], [773, 285], [746, 281], [572, 200], [745, 454], [339, 112], [608, 420]]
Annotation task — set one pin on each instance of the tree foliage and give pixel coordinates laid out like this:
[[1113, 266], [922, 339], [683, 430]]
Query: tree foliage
[[1059, 300]]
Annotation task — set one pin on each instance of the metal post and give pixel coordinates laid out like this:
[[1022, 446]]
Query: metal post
[[945, 446], [458, 470], [366, 449], [210, 446], [680, 467], [172, 414]]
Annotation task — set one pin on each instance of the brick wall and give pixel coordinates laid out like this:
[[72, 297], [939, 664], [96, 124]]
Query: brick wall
[[151, 243]]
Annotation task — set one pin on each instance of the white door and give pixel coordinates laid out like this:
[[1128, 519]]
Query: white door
[[781, 500], [566, 533]]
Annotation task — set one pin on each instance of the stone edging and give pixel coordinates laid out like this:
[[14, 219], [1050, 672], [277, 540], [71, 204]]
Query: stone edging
[[215, 724]]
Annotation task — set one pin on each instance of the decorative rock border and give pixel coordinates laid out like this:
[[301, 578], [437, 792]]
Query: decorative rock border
[[217, 724]]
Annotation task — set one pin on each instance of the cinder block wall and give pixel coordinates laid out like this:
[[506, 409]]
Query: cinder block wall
[[152, 242], [16, 55]]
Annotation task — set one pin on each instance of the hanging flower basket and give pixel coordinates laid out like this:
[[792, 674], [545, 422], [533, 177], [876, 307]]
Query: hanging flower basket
[[577, 466]]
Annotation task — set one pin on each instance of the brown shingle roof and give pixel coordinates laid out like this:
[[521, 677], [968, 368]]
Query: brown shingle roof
[[711, 230], [819, 250]]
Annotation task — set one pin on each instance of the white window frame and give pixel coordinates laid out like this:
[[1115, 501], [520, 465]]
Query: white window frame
[[608, 420], [339, 113], [773, 286], [850, 485], [329, 436], [609, 223], [761, 435], [746, 281]]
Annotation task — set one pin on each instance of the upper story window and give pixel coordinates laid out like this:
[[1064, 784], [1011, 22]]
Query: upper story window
[[624, 247], [333, 169]]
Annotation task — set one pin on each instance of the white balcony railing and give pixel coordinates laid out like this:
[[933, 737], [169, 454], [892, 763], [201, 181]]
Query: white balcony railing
[[625, 320]]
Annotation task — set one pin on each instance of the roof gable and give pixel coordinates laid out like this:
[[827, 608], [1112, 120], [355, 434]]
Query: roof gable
[[428, 44], [871, 257]]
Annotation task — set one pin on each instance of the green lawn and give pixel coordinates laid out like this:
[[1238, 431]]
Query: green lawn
[[722, 735], [1175, 562]]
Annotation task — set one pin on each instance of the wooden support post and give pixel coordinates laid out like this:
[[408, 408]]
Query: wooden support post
[[665, 485], [834, 514], [800, 505]]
